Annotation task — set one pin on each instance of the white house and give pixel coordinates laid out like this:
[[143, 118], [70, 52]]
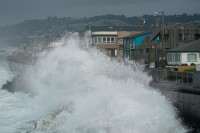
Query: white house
[[185, 54]]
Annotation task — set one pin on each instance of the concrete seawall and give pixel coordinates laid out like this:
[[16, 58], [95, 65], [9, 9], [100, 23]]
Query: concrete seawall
[[189, 106], [184, 87]]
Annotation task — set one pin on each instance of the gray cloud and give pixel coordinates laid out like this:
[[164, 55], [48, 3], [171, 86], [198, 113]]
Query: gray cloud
[[13, 11]]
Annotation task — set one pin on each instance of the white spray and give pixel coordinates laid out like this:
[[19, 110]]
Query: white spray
[[83, 91]]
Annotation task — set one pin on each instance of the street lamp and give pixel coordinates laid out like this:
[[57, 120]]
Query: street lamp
[[162, 12], [143, 22], [162, 17]]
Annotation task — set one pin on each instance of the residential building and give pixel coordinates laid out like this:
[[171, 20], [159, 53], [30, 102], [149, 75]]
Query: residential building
[[107, 41], [185, 54], [174, 36], [133, 46]]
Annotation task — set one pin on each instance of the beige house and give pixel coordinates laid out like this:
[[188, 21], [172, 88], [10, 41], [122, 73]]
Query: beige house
[[108, 41]]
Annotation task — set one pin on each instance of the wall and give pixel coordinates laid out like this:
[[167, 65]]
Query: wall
[[189, 105], [184, 58], [117, 46], [138, 40], [186, 99], [122, 34], [196, 79], [173, 31], [108, 45]]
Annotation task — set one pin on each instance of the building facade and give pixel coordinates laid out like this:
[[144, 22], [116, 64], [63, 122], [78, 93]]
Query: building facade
[[132, 46], [173, 37], [108, 41], [188, 53]]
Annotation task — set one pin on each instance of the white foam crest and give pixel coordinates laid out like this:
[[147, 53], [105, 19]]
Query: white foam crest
[[83, 91], [5, 74]]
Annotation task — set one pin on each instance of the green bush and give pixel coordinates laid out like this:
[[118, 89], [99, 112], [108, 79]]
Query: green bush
[[192, 64], [184, 64], [190, 70], [173, 64]]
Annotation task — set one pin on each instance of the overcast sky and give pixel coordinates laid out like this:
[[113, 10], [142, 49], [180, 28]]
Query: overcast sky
[[15, 11]]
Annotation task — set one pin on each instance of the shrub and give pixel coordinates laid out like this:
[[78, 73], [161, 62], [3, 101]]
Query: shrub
[[192, 64], [184, 64], [190, 70]]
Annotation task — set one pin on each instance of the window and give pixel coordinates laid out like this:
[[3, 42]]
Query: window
[[125, 54], [169, 57], [112, 40], [127, 41], [99, 39], [95, 40], [173, 57], [141, 52], [192, 57], [166, 37], [104, 39], [180, 37], [197, 36], [108, 39], [131, 43], [124, 41], [183, 37], [177, 57]]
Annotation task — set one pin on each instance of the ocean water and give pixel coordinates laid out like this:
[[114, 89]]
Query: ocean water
[[75, 89]]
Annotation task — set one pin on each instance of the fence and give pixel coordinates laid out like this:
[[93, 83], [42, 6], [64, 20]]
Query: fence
[[182, 78]]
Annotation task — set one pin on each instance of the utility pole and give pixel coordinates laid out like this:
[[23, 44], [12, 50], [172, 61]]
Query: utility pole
[[163, 38], [157, 22], [143, 22], [130, 48], [162, 32]]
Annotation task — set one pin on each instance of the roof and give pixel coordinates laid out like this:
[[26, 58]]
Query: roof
[[105, 33], [113, 28], [136, 35], [193, 46]]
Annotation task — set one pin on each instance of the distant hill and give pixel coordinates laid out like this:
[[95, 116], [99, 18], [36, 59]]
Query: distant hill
[[53, 26]]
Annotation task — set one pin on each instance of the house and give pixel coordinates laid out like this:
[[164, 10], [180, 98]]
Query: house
[[174, 36], [185, 54], [107, 41], [132, 45]]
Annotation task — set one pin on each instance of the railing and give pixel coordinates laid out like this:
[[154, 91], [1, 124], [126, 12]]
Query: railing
[[181, 78]]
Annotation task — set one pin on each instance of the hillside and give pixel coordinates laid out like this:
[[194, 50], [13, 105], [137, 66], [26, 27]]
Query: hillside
[[53, 26]]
